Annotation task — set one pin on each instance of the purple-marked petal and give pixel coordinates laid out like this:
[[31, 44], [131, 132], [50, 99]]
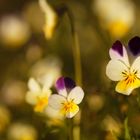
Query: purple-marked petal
[[118, 52], [69, 83], [64, 85], [134, 45], [60, 84], [118, 47]]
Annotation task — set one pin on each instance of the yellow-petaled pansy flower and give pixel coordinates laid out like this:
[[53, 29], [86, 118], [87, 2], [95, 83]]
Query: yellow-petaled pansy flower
[[68, 97], [120, 69], [50, 18], [37, 95]]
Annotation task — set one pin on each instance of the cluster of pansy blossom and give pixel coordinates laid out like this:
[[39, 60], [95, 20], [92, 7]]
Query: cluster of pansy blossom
[[64, 103], [68, 97], [38, 95], [120, 69]]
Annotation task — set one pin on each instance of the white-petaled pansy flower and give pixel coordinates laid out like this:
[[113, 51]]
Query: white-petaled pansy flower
[[68, 97], [37, 95], [120, 69]]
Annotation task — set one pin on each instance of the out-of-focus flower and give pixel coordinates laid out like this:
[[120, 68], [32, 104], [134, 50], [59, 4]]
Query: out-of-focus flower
[[119, 68], [20, 131], [4, 118], [66, 102], [37, 95], [14, 32], [47, 71], [51, 18], [95, 102], [34, 16], [13, 92], [111, 125], [117, 16]]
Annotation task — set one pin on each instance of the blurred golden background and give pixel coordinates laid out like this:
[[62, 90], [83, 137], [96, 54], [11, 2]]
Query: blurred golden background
[[35, 42]]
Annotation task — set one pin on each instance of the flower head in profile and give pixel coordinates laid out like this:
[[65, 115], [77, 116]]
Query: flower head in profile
[[120, 69], [50, 18], [68, 97], [37, 95]]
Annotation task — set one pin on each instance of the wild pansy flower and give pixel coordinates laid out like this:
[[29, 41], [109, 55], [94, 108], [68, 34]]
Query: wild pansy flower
[[37, 95], [51, 18], [68, 97], [120, 69]]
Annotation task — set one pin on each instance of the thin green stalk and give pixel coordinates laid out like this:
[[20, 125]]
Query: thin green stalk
[[70, 129], [76, 51], [127, 133], [77, 59]]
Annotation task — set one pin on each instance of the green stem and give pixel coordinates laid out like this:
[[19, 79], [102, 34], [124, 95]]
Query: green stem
[[76, 51], [127, 133], [77, 58], [70, 129]]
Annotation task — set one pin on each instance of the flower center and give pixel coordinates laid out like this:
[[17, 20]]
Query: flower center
[[41, 104], [68, 106], [130, 77]]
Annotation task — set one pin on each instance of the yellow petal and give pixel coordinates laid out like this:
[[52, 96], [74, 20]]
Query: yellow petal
[[69, 109], [41, 104], [125, 87]]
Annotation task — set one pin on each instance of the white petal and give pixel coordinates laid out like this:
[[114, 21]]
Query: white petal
[[45, 94], [31, 97], [56, 101], [63, 92], [33, 85], [76, 95], [136, 66], [72, 113], [116, 56], [114, 70], [46, 91]]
